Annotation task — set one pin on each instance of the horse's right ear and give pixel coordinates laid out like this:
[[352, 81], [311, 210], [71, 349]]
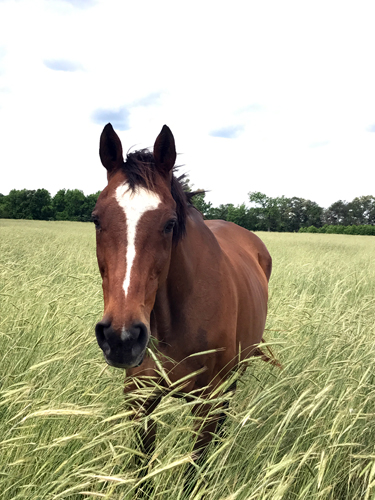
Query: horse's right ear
[[110, 149]]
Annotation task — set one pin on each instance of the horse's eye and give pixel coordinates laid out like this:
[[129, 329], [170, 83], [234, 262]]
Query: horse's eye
[[168, 228], [95, 220]]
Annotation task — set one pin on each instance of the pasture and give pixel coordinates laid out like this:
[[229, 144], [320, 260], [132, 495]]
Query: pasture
[[304, 432]]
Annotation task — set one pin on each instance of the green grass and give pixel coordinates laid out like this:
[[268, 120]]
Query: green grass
[[305, 432]]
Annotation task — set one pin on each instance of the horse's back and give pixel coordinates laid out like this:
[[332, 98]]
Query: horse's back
[[235, 241]]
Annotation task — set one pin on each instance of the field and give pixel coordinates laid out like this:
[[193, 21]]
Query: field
[[304, 432]]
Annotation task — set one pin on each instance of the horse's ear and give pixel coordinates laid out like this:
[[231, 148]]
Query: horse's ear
[[165, 151], [110, 149]]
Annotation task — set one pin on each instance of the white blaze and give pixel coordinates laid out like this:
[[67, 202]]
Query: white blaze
[[134, 204]]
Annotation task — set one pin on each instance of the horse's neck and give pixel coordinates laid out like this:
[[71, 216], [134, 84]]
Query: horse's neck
[[194, 262]]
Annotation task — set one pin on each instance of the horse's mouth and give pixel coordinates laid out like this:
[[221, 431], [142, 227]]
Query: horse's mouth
[[125, 366]]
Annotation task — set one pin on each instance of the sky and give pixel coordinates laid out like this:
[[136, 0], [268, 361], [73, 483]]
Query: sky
[[270, 96]]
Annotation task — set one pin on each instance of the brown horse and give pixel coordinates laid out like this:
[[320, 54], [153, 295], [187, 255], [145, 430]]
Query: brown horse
[[194, 286]]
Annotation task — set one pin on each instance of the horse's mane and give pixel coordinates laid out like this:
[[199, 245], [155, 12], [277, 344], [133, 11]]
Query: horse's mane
[[141, 170]]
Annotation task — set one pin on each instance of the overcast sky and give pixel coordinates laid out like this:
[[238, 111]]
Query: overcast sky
[[270, 96]]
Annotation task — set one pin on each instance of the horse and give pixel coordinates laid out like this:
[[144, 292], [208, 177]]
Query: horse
[[195, 288]]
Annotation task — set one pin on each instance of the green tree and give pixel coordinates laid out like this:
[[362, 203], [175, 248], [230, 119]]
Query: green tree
[[89, 205], [19, 204], [338, 214], [71, 204], [4, 212], [362, 210], [59, 205], [75, 200], [240, 215], [201, 204], [267, 212], [220, 212], [304, 213], [41, 205], [313, 214]]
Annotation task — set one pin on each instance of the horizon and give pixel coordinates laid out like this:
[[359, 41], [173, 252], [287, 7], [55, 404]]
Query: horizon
[[248, 203]]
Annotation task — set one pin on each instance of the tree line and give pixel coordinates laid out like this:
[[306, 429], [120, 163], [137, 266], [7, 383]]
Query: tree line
[[364, 230], [67, 204], [264, 213], [291, 214]]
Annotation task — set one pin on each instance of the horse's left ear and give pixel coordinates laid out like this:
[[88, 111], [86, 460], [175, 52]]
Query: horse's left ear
[[110, 149], [165, 151]]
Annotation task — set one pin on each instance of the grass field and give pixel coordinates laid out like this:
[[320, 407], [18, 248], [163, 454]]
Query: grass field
[[304, 432]]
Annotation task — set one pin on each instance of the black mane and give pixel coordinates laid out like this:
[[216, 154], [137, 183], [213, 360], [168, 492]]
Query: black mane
[[140, 170]]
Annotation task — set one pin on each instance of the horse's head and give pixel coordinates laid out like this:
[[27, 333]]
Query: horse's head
[[136, 219]]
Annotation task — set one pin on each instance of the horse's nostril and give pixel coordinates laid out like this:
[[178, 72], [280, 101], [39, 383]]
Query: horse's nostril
[[101, 329], [138, 332]]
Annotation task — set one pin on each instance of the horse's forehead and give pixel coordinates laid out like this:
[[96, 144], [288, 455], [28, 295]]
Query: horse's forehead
[[136, 201]]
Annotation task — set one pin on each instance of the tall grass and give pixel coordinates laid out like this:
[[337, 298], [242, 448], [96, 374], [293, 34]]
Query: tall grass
[[306, 432]]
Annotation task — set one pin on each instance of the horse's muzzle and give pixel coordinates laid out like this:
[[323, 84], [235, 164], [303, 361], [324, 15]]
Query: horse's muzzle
[[125, 348]]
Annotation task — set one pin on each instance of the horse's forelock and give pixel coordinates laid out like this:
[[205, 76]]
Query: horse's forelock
[[140, 170]]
